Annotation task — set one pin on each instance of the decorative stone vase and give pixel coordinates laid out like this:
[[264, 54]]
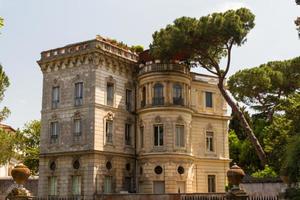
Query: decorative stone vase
[[20, 173], [235, 175]]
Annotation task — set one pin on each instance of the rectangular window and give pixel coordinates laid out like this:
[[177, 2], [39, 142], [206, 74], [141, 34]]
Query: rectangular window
[[142, 137], [128, 100], [209, 99], [54, 131], [107, 184], [76, 185], [158, 135], [77, 127], [128, 134], [110, 94], [158, 187], [109, 131], [78, 93], [52, 183], [179, 140], [55, 96], [209, 141], [211, 181], [128, 184]]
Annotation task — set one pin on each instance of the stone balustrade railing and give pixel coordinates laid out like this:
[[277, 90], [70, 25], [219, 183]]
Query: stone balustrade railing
[[160, 67]]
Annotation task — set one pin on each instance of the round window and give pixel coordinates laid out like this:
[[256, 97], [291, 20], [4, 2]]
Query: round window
[[108, 165], [180, 170], [52, 165], [76, 164], [158, 169]]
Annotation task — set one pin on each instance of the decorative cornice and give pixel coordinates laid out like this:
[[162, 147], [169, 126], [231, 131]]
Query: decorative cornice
[[96, 52]]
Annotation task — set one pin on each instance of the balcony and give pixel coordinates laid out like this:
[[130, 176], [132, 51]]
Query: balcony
[[178, 101], [158, 101], [161, 67]]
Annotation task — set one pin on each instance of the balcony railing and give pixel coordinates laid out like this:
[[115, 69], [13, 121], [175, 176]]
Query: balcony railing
[[178, 101], [157, 101], [159, 67]]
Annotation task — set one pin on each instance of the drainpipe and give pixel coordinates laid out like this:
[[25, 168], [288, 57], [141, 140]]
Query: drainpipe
[[135, 134]]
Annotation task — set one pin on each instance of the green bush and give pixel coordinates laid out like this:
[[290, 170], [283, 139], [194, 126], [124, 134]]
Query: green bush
[[267, 172]]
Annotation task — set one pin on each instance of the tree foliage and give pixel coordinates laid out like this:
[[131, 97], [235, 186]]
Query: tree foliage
[[7, 146], [204, 42], [1, 22], [291, 166], [28, 142], [262, 88], [267, 172]]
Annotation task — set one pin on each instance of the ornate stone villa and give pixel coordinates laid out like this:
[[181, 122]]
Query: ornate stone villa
[[115, 121]]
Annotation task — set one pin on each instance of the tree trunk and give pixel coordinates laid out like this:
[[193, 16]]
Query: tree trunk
[[236, 110]]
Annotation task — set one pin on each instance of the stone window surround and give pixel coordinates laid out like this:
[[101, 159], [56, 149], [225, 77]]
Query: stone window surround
[[108, 117], [210, 128], [216, 180], [131, 141], [129, 86], [184, 136], [213, 108], [81, 178], [163, 136], [110, 80], [74, 95], [55, 104], [54, 119], [55, 83]]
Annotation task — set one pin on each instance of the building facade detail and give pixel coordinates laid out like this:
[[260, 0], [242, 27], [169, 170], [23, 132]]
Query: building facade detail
[[114, 121]]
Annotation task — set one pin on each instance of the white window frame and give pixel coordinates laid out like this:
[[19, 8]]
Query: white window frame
[[215, 183], [54, 131], [180, 142], [55, 98], [111, 133], [52, 189], [78, 95], [110, 102], [77, 126], [77, 190], [159, 135], [210, 141]]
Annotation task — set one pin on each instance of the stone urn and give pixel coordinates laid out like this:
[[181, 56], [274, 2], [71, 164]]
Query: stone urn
[[20, 173], [235, 175]]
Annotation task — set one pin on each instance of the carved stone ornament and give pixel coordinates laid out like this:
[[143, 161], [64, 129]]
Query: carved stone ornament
[[110, 116], [209, 126], [77, 114], [179, 120], [54, 116], [157, 119]]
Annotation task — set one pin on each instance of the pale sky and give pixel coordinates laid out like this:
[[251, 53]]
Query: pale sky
[[32, 26]]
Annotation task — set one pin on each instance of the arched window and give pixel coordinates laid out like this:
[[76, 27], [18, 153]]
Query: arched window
[[177, 94], [158, 98]]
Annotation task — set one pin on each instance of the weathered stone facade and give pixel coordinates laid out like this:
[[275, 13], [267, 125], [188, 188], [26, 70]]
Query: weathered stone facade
[[144, 126]]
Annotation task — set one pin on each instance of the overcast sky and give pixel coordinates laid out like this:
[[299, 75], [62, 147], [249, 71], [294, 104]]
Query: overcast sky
[[32, 26]]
